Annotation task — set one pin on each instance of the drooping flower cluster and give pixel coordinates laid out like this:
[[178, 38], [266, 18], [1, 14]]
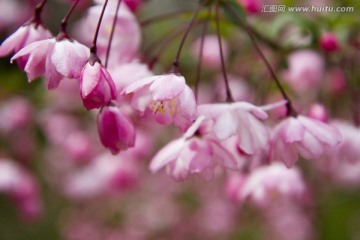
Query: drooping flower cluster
[[230, 134]]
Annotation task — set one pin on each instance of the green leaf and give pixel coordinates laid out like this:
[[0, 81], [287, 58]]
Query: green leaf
[[239, 10]]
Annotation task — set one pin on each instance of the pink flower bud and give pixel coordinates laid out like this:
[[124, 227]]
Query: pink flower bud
[[251, 6], [318, 112], [115, 129], [133, 4], [97, 88], [329, 42]]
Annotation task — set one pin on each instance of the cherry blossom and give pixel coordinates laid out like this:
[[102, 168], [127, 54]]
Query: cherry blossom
[[56, 59], [167, 96], [192, 154], [302, 136]]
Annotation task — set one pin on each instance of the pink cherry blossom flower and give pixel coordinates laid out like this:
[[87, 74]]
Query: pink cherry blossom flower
[[115, 129], [342, 163], [97, 88], [13, 13], [211, 53], [306, 70], [125, 45], [167, 96], [17, 183], [239, 118], [302, 136], [54, 58], [14, 114], [266, 184], [329, 42], [192, 154], [22, 37], [285, 215], [106, 174]]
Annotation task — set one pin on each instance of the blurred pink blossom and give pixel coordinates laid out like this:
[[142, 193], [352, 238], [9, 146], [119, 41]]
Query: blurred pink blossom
[[302, 136], [106, 174], [15, 113], [306, 70], [21, 187], [211, 54], [125, 45], [267, 184]]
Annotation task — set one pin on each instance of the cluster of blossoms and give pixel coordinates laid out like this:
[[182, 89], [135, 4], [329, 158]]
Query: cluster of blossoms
[[259, 144]]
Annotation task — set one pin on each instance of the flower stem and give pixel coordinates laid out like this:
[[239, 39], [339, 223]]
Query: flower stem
[[165, 16], [164, 43], [37, 14], [290, 109], [199, 65], [175, 67], [112, 33], [63, 27], [229, 97], [93, 49]]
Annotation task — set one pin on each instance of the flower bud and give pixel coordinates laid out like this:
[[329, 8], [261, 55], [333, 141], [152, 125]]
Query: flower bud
[[97, 88], [115, 129], [329, 42]]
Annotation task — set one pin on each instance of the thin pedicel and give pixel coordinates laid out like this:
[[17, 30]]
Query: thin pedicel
[[112, 33], [290, 109], [229, 97]]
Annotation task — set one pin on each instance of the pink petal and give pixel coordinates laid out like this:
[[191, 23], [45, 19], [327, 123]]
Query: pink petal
[[186, 109], [225, 158], [178, 169], [141, 99], [194, 127], [52, 76], [90, 78], [212, 110], [294, 131], [167, 87], [286, 153], [322, 131], [43, 45], [69, 58], [310, 147], [14, 41], [140, 84], [257, 111], [167, 154], [225, 125]]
